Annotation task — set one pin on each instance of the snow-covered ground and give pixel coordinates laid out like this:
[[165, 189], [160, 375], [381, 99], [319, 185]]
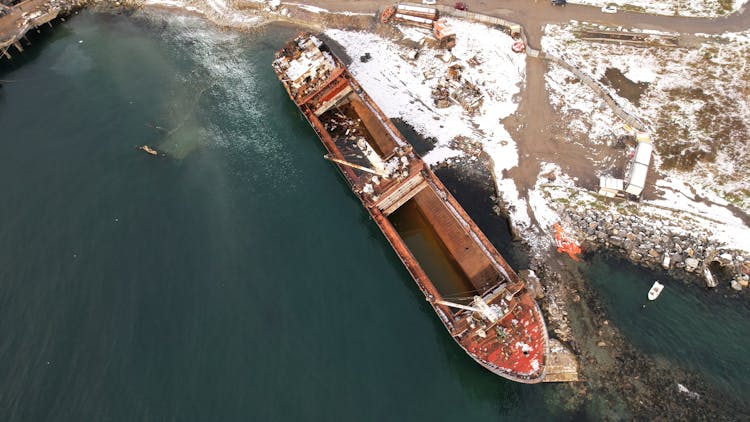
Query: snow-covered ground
[[220, 12], [707, 8], [696, 105], [316, 9], [541, 199], [589, 118], [401, 89]]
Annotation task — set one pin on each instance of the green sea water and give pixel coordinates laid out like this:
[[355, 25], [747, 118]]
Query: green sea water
[[701, 330], [235, 277]]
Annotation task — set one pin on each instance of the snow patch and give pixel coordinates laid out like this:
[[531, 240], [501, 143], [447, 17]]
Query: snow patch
[[640, 74], [697, 8]]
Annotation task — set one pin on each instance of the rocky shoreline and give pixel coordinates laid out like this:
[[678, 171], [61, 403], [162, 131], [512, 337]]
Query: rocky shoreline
[[617, 380], [657, 244]]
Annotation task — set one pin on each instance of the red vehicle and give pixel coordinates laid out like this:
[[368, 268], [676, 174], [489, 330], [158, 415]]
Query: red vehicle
[[461, 6]]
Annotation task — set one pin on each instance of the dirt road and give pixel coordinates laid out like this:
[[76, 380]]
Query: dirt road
[[534, 14]]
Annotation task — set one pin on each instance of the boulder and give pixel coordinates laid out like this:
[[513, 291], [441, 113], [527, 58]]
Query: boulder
[[710, 279], [665, 262], [691, 264], [736, 285]]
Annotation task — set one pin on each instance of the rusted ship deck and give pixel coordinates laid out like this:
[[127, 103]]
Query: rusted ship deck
[[480, 300]]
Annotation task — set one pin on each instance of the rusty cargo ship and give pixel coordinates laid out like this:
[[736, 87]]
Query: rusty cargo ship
[[485, 307]]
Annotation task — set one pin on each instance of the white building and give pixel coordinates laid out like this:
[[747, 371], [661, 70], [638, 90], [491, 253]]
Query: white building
[[636, 177]]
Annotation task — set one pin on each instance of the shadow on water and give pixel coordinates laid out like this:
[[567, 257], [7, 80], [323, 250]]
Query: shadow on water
[[698, 329], [421, 144]]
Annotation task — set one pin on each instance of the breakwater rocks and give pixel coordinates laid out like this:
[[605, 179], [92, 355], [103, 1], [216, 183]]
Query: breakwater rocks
[[654, 243]]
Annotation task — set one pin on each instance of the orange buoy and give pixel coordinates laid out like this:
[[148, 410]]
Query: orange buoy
[[566, 244]]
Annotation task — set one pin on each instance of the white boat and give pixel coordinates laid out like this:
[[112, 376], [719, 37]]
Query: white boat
[[655, 290]]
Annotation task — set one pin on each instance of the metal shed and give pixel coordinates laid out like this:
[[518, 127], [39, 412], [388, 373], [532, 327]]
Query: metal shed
[[636, 178]]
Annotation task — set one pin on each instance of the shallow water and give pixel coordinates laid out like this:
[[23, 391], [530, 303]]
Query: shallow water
[[704, 331]]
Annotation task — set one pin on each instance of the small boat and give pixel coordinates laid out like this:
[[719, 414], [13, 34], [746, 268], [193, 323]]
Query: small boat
[[655, 290]]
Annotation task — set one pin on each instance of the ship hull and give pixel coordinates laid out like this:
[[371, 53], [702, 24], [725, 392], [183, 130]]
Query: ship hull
[[511, 341]]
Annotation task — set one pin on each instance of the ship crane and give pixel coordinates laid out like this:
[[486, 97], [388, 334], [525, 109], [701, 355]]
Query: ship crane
[[492, 313], [356, 166]]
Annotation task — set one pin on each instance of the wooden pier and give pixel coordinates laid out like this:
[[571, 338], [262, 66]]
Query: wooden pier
[[17, 20]]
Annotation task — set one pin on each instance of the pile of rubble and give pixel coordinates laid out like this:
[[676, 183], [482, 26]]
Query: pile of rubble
[[454, 88]]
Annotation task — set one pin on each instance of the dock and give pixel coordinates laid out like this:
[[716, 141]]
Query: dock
[[562, 365], [17, 20]]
